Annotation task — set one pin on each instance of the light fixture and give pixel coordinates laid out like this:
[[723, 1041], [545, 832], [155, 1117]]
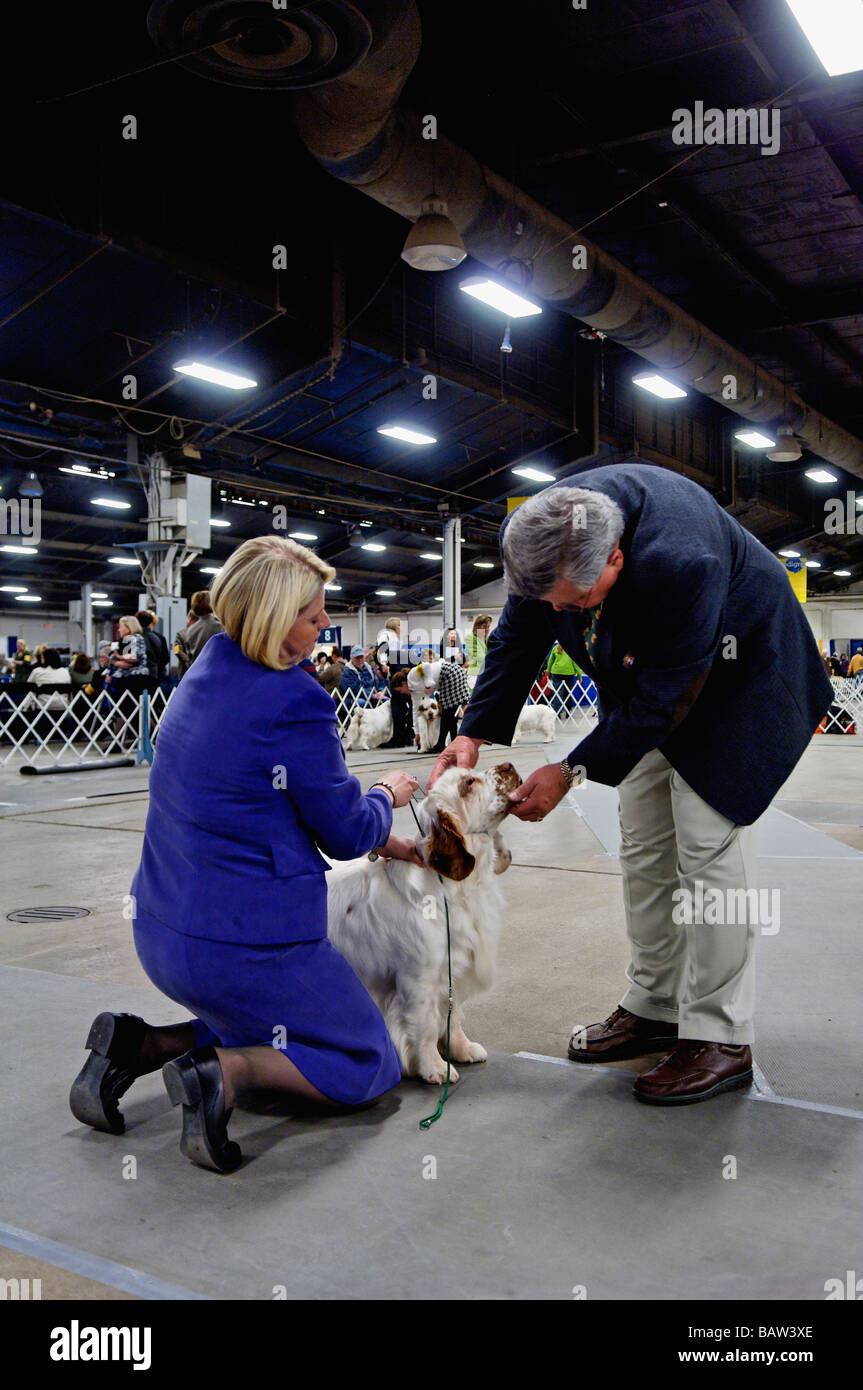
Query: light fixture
[[790, 554], [408, 436], [386, 593], [367, 523], [123, 560], [813, 564], [302, 535], [13, 589], [79, 469], [99, 595], [842, 574], [110, 502], [438, 598], [20, 549], [755, 439], [430, 555], [332, 586], [433, 242], [101, 603], [30, 486], [658, 386], [240, 502], [211, 569], [372, 545], [27, 598], [787, 449], [217, 521], [834, 28], [483, 565], [501, 297], [203, 371], [821, 475], [506, 341], [536, 475]]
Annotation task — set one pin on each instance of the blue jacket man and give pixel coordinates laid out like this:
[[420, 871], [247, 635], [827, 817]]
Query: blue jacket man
[[358, 681]]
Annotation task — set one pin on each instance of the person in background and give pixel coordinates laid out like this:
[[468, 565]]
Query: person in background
[[80, 670], [402, 712], [855, 665], [127, 673], [331, 675], [96, 682], [843, 664], [835, 667], [381, 673], [562, 672], [477, 645], [49, 670], [321, 662], [826, 663], [452, 694], [23, 663], [158, 655], [201, 625], [451, 648], [394, 648], [358, 682]]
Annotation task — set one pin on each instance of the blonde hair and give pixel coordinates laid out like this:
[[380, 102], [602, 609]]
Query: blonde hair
[[132, 624], [260, 592], [393, 625]]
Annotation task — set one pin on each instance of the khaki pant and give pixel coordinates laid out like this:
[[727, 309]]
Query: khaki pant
[[699, 976]]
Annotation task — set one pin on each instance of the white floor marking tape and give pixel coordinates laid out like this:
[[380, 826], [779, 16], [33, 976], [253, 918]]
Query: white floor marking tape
[[116, 1276], [767, 1094]]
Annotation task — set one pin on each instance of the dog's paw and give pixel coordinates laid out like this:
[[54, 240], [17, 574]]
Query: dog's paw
[[474, 1052], [435, 1073]]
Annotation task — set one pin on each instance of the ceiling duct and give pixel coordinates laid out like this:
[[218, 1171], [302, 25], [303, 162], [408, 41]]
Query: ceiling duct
[[355, 131]]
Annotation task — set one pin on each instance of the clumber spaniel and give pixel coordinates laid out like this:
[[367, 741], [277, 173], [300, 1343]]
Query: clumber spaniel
[[536, 719], [427, 723], [422, 682], [387, 918], [369, 727]]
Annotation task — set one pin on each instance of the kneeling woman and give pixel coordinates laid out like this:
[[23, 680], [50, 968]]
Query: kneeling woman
[[230, 895]]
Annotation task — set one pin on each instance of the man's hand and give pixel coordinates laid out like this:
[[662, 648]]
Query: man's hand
[[462, 752], [539, 794], [400, 847]]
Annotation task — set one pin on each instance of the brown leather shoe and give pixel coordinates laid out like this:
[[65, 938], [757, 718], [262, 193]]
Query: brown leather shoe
[[620, 1036], [694, 1071]]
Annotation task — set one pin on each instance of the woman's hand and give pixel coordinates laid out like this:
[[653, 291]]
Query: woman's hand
[[403, 786], [400, 847]]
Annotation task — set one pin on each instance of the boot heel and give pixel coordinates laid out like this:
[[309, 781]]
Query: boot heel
[[101, 1034], [182, 1082]]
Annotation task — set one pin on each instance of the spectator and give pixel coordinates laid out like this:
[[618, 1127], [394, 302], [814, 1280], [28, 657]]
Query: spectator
[[451, 648], [23, 663], [321, 662], [96, 682], [49, 670], [452, 694], [855, 665], [835, 668], [127, 668], [381, 673], [395, 649], [562, 672], [80, 669], [158, 655], [477, 645], [358, 682], [201, 625], [843, 664], [402, 712], [826, 662], [331, 676]]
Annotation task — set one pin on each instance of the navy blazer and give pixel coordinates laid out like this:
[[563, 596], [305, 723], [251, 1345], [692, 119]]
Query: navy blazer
[[692, 578], [248, 779]]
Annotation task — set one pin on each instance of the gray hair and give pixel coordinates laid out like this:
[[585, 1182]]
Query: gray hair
[[561, 533]]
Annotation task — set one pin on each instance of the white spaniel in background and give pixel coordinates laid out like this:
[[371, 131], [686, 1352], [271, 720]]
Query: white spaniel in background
[[427, 723], [369, 727], [387, 918], [536, 719], [422, 682]]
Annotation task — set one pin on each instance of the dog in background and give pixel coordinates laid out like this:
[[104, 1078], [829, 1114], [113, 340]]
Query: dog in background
[[427, 723], [387, 918], [536, 719], [369, 727]]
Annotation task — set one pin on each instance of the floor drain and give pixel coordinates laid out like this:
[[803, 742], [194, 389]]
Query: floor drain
[[46, 914]]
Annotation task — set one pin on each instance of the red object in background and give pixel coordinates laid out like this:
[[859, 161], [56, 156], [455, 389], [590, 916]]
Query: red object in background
[[539, 686]]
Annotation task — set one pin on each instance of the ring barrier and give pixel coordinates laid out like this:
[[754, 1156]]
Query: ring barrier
[[846, 712], [44, 725]]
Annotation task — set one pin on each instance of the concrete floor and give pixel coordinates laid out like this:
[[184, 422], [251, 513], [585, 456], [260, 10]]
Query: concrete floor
[[548, 1175]]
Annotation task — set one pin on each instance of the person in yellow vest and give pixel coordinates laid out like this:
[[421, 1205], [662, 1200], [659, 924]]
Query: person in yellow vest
[[855, 665], [562, 672]]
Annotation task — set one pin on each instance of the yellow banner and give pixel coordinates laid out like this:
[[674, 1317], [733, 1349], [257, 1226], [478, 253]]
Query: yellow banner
[[513, 502], [796, 571]]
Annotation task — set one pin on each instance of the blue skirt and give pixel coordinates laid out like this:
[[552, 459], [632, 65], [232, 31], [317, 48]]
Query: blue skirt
[[302, 998]]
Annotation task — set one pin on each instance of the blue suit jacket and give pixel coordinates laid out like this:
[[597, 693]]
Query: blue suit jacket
[[692, 578], [249, 777]]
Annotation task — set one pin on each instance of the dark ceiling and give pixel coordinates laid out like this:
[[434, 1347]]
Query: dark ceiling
[[116, 253]]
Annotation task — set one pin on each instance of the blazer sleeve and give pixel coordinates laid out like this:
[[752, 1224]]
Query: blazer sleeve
[[515, 652], [329, 800], [689, 616]]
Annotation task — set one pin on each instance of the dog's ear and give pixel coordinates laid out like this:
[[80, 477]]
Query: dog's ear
[[445, 850]]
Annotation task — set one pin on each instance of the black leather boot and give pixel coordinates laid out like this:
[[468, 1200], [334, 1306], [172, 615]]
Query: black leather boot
[[115, 1045], [195, 1082]]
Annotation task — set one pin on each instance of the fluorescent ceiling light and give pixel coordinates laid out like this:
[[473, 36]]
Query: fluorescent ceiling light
[[835, 30], [217, 521], [13, 589], [438, 598], [211, 569], [123, 560], [101, 603], [658, 386], [27, 598], [332, 586], [501, 297], [241, 502], [20, 549], [409, 436], [386, 593], [372, 545], [813, 564], [100, 595], [430, 555], [536, 475], [217, 375], [110, 502], [367, 523], [790, 554], [755, 439], [302, 535], [842, 574], [483, 565], [821, 475]]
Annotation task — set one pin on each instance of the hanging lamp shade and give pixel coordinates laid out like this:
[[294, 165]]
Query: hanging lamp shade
[[787, 450], [433, 242]]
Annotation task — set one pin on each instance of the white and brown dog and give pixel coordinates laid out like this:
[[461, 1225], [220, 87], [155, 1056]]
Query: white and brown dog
[[369, 727], [427, 723], [388, 919], [536, 719]]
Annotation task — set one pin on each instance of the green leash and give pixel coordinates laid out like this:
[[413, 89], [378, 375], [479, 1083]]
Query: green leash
[[430, 1119]]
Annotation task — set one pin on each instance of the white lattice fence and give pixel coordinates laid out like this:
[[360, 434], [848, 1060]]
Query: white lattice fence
[[847, 707], [85, 729]]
